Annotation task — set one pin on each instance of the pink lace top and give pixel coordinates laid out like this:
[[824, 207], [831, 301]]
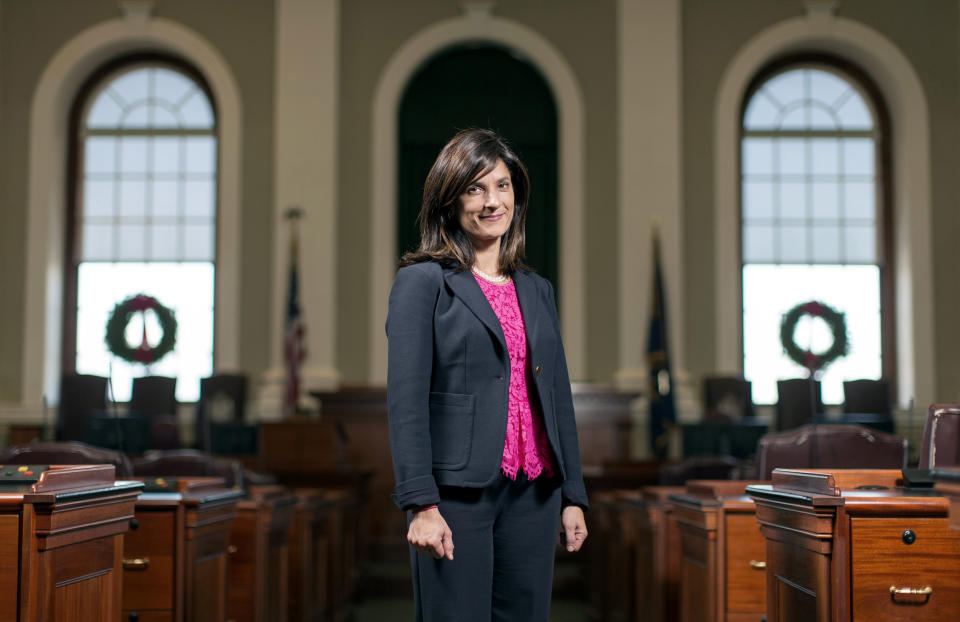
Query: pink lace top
[[526, 447]]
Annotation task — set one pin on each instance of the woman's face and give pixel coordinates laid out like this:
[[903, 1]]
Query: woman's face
[[486, 208]]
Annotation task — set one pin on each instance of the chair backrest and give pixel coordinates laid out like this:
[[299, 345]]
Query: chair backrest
[[729, 396], [941, 437], [153, 395], [831, 446], [188, 462], [68, 452], [218, 388], [793, 402], [81, 395], [867, 396]]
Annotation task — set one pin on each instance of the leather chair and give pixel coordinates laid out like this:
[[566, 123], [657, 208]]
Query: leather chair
[[838, 446], [81, 396], [68, 452], [941, 437], [231, 388], [727, 397], [867, 396], [793, 402], [187, 463], [155, 397]]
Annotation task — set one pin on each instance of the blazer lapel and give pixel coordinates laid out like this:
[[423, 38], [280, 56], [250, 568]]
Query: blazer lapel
[[466, 288], [527, 296]]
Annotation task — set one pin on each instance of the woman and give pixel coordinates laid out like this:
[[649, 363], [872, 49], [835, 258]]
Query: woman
[[482, 429]]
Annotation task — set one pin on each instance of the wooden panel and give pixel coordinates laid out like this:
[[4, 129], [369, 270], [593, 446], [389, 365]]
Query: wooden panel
[[150, 587], [148, 616], [697, 594], [796, 576], [746, 586], [9, 563], [208, 597], [882, 559], [86, 600]]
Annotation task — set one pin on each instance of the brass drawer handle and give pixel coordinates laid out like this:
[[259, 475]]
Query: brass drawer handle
[[912, 591], [758, 565], [136, 563], [231, 550]]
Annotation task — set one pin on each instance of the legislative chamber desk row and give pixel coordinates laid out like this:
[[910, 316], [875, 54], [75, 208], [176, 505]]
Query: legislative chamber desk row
[[809, 546], [76, 545]]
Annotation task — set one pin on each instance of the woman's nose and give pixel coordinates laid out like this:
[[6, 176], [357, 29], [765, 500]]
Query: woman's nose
[[490, 199]]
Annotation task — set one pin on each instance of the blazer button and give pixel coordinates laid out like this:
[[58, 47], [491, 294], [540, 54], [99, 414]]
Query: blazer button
[[536, 372]]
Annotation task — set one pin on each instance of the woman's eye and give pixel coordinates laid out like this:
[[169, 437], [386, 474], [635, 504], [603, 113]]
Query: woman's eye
[[473, 189], [504, 185]]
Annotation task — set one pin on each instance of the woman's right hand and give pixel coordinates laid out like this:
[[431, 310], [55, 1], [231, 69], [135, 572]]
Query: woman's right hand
[[430, 535]]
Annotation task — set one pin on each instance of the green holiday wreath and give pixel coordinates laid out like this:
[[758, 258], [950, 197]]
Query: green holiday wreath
[[836, 322], [117, 327]]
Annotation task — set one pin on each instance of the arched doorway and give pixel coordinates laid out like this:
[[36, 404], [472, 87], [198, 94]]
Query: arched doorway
[[481, 86]]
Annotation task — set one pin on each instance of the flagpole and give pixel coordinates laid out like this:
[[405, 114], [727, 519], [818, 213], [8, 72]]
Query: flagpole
[[293, 333]]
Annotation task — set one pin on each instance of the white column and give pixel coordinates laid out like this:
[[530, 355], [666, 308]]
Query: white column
[[305, 175], [650, 180]]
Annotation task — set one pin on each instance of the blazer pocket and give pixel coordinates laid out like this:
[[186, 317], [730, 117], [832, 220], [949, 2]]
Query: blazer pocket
[[451, 429]]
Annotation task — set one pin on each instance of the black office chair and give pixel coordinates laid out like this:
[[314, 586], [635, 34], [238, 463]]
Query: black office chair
[[867, 396], [68, 452], [793, 403], [727, 397], [81, 396], [155, 398], [229, 389]]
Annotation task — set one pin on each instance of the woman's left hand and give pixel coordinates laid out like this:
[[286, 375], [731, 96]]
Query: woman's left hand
[[573, 528]]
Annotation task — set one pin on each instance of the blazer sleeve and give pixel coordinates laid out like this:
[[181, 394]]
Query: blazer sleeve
[[573, 492], [409, 367]]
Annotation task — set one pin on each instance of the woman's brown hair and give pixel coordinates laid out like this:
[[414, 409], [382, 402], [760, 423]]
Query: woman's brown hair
[[469, 155]]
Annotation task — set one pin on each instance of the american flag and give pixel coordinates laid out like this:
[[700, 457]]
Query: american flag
[[294, 346]]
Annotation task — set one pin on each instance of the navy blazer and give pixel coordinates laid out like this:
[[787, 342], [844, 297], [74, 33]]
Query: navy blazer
[[448, 380]]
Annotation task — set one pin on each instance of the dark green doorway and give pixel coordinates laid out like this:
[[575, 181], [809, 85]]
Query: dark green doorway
[[490, 87]]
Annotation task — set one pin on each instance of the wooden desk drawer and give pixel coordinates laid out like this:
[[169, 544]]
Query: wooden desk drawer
[[746, 579], [148, 554], [880, 559]]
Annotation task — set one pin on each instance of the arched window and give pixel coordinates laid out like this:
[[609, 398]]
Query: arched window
[[814, 220], [143, 218]]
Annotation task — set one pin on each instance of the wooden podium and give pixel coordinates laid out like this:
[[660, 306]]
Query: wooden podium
[[61, 539], [722, 576], [175, 561], [854, 545]]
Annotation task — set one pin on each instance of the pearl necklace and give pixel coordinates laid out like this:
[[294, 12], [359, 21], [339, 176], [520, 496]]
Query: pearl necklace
[[493, 279]]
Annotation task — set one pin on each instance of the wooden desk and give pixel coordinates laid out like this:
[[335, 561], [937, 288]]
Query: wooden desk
[[175, 561], [722, 574], [657, 554], [61, 541], [259, 565], [838, 553], [948, 483]]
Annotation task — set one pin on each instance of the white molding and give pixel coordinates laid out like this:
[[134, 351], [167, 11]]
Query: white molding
[[305, 175], [563, 84], [650, 173], [46, 192], [904, 95]]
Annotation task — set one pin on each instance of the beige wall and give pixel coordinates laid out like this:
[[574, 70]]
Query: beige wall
[[30, 34], [713, 32], [584, 33]]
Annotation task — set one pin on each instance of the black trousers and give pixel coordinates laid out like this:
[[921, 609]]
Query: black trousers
[[504, 538]]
